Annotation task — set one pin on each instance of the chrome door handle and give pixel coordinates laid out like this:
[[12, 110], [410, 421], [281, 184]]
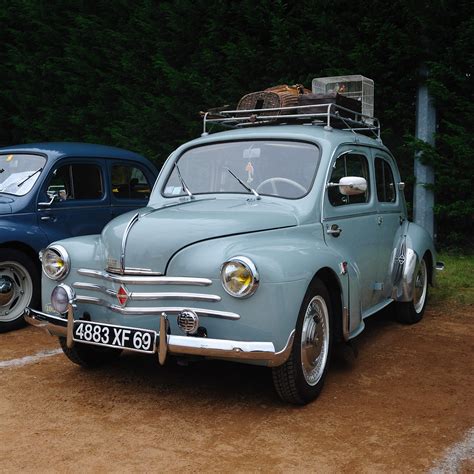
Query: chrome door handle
[[379, 220], [45, 218], [334, 230]]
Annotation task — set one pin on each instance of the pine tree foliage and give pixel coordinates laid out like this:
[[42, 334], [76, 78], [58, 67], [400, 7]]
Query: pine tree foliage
[[136, 74]]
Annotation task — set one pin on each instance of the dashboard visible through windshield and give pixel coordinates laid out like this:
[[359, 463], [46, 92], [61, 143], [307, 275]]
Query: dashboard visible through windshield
[[284, 169], [19, 172]]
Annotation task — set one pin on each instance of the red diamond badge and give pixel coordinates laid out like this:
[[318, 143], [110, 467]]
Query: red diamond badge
[[122, 295]]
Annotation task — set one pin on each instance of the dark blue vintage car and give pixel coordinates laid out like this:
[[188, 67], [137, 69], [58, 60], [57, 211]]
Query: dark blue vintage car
[[51, 191]]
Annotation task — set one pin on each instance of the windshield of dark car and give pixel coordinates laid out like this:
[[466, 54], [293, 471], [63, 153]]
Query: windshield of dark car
[[275, 168], [19, 172]]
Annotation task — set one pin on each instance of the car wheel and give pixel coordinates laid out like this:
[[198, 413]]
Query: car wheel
[[19, 288], [411, 312], [300, 379], [89, 356]]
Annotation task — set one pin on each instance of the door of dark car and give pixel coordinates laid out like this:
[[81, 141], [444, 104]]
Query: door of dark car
[[350, 222], [130, 186], [82, 200]]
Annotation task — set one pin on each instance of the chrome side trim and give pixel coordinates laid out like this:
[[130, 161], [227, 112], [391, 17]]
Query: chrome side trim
[[148, 296], [145, 280], [184, 345], [131, 223], [174, 296], [93, 287], [153, 311]]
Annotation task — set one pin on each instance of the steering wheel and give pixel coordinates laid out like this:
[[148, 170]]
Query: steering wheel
[[277, 179]]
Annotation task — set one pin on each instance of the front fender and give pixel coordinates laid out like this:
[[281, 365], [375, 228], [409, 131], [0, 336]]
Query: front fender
[[287, 261], [23, 231], [85, 251]]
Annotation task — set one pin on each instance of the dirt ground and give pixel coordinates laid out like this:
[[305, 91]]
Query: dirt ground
[[405, 404]]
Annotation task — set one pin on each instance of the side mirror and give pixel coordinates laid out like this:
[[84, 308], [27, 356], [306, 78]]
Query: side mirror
[[54, 198], [352, 185]]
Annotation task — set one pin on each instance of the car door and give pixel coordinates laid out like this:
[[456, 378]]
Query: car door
[[350, 223], [390, 217], [130, 186], [81, 202]]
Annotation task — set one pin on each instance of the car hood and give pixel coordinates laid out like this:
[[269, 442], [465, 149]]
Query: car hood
[[5, 205], [150, 241]]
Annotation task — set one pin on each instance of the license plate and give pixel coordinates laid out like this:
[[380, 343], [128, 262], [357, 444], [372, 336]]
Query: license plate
[[107, 335]]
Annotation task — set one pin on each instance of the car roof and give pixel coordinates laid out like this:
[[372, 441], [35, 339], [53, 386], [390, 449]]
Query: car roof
[[333, 136], [59, 149]]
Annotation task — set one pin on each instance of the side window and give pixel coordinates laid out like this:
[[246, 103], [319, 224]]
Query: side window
[[349, 164], [386, 189], [60, 184], [77, 181], [129, 182]]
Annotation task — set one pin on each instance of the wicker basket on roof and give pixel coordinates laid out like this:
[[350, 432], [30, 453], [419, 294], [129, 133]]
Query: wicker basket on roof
[[273, 98]]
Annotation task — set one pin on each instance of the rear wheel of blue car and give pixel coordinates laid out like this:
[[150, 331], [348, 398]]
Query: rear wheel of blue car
[[19, 288], [301, 378], [89, 356]]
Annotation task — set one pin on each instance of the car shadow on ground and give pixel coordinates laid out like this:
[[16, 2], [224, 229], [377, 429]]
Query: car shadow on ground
[[215, 381]]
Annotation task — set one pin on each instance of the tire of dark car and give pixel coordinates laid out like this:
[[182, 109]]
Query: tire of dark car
[[19, 288]]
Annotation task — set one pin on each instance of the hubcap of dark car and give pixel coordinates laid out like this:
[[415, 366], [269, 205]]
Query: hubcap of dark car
[[7, 288], [16, 290]]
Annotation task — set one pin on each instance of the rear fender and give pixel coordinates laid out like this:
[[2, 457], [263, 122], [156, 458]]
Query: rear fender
[[414, 245]]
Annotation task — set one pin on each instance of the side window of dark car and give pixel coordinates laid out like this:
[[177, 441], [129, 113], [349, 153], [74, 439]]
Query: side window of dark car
[[385, 182], [76, 181], [129, 182], [349, 164]]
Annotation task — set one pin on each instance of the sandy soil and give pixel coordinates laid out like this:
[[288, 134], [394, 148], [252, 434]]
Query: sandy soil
[[398, 407]]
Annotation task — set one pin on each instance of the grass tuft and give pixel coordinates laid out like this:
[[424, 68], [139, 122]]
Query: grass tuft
[[455, 283]]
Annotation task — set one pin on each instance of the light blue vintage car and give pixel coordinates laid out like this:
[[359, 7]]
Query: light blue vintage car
[[265, 244]]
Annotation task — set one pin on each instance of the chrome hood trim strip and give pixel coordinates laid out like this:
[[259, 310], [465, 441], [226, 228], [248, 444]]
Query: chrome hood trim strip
[[155, 311], [148, 296], [133, 220], [144, 280]]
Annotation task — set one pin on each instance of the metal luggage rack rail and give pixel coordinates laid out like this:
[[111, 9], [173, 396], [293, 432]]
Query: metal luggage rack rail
[[329, 118]]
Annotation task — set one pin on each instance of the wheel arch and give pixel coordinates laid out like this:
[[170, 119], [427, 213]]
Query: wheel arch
[[24, 248], [333, 285]]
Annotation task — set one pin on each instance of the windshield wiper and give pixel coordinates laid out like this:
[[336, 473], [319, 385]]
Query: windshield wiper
[[28, 177], [247, 187], [183, 184]]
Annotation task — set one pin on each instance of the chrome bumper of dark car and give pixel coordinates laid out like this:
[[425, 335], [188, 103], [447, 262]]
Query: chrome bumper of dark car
[[177, 345]]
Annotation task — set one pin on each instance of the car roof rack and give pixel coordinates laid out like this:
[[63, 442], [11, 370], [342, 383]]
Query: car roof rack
[[328, 115]]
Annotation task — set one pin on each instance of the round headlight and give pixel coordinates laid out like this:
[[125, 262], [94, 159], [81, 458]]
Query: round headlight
[[55, 261], [239, 277], [61, 296]]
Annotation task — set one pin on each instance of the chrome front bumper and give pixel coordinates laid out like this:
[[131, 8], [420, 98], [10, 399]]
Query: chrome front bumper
[[263, 352]]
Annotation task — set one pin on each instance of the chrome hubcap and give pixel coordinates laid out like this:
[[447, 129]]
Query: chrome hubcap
[[16, 290], [6, 290], [421, 286], [315, 340]]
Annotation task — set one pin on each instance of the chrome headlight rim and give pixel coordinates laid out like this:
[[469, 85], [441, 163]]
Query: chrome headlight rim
[[61, 252], [69, 300], [251, 267]]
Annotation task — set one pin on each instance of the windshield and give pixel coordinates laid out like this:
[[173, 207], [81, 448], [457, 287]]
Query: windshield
[[274, 168], [19, 172]]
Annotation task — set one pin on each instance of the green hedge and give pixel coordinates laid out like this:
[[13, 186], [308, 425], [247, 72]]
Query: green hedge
[[136, 74]]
